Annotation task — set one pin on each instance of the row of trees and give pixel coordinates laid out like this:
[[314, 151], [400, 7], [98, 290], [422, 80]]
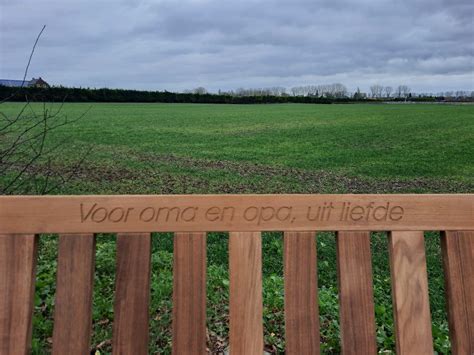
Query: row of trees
[[300, 94], [403, 91], [379, 91], [329, 91], [337, 91], [455, 94], [59, 94], [271, 91]]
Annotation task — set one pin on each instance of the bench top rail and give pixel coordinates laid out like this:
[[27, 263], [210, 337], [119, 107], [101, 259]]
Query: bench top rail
[[234, 213]]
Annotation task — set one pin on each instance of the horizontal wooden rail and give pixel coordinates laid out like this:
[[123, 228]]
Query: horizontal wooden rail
[[235, 213]]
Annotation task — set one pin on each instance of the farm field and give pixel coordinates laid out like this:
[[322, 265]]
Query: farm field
[[292, 148], [287, 148]]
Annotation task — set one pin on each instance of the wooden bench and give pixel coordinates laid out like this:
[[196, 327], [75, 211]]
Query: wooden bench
[[353, 217]]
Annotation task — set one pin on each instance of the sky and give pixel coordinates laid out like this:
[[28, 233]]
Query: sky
[[227, 44]]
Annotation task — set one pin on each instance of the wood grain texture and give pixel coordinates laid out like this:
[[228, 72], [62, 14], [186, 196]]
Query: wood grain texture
[[132, 294], [301, 293], [234, 213], [410, 293], [189, 293], [74, 285], [17, 284], [356, 298], [458, 261], [245, 269]]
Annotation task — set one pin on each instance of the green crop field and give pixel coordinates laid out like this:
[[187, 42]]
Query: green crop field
[[288, 148]]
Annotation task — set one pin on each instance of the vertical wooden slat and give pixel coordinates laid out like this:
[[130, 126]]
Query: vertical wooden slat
[[410, 293], [17, 284], [458, 261], [357, 315], [245, 269], [73, 305], [132, 294], [189, 293], [301, 293]]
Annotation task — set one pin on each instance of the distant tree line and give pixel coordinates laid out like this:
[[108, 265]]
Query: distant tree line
[[311, 94], [59, 94]]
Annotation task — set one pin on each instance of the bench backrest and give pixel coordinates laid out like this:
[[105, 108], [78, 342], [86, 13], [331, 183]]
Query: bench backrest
[[133, 218]]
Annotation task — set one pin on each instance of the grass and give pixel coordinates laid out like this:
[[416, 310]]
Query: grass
[[371, 141], [165, 148]]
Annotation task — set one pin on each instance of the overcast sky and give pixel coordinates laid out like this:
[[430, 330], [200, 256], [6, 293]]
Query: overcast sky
[[181, 44]]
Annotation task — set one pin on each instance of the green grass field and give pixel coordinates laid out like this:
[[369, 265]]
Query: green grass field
[[166, 148]]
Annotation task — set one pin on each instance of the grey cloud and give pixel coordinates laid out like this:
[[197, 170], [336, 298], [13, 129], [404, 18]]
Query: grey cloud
[[173, 45]]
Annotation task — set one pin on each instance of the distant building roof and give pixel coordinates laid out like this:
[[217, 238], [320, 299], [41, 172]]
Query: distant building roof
[[39, 82], [14, 83]]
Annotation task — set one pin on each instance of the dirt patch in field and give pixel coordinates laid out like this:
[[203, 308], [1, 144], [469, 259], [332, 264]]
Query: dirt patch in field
[[300, 180], [210, 176]]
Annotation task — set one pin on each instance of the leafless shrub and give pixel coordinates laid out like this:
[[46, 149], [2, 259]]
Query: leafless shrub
[[27, 154]]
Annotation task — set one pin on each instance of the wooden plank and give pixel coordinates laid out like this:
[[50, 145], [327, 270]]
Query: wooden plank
[[132, 294], [410, 293], [458, 260], [189, 293], [356, 298], [195, 213], [17, 285], [301, 293], [245, 309], [73, 304]]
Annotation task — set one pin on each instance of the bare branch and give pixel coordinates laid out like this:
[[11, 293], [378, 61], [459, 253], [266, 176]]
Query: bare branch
[[27, 156], [27, 66]]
